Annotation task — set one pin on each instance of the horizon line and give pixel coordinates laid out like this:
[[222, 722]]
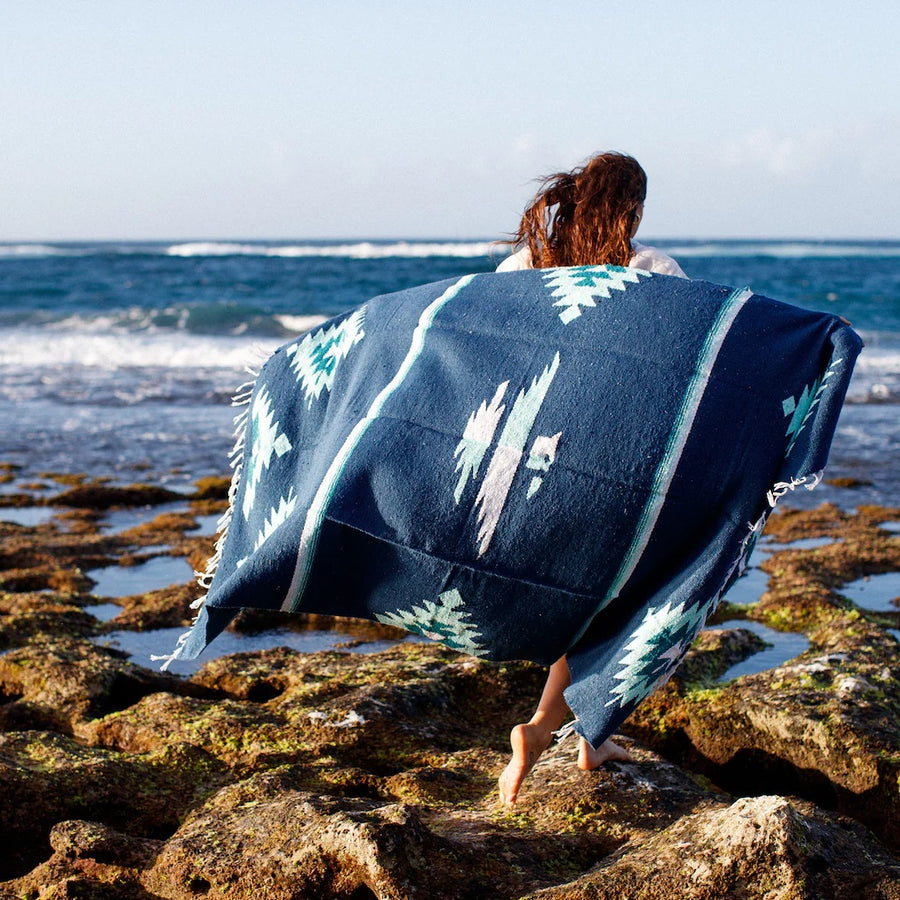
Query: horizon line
[[416, 240]]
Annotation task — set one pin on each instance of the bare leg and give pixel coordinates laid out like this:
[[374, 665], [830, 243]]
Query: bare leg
[[589, 758], [530, 740]]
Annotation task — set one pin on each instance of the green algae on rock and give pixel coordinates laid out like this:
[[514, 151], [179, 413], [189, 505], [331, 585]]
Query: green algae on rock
[[98, 495], [336, 775], [826, 725]]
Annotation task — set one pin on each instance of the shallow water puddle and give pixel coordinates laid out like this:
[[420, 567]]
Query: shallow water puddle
[[895, 632], [29, 516], [875, 592], [801, 544], [141, 645], [103, 612], [208, 524], [785, 645], [890, 526], [754, 582], [156, 573], [750, 586], [118, 520]]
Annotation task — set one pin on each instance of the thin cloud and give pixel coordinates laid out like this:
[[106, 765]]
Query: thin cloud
[[800, 157]]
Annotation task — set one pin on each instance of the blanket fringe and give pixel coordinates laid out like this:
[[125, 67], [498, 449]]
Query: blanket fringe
[[240, 399], [175, 654], [775, 493], [778, 490], [566, 731], [258, 356]]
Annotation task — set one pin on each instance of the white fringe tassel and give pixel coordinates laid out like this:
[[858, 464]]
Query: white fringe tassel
[[777, 491], [566, 731], [810, 482], [240, 399]]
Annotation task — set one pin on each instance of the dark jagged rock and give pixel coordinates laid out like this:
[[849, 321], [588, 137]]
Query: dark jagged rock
[[63, 683], [847, 482], [17, 500], [46, 778], [825, 725], [761, 847], [280, 773], [715, 652], [168, 607], [29, 616], [211, 488], [91, 860], [263, 836], [103, 496]]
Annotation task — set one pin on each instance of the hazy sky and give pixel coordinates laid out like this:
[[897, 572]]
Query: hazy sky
[[275, 119]]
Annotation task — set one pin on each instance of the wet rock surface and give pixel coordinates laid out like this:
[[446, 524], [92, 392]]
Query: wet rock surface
[[285, 774], [756, 847], [824, 726]]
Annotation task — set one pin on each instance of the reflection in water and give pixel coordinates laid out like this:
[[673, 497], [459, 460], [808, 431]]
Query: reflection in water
[[119, 520], [802, 544], [156, 573], [142, 644], [103, 612], [874, 592], [754, 582], [208, 525], [28, 516], [785, 645]]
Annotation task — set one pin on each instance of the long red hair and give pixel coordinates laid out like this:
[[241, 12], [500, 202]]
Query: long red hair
[[586, 216]]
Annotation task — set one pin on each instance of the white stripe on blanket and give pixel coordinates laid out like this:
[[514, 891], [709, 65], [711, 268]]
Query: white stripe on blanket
[[678, 437], [312, 526]]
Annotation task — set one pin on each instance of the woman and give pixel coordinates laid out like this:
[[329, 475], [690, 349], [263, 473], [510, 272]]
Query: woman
[[588, 216]]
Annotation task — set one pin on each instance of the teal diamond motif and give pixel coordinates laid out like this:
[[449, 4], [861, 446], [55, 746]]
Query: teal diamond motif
[[802, 408], [578, 287], [445, 621]]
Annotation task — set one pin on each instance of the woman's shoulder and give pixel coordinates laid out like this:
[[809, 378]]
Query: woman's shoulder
[[652, 260], [521, 259], [645, 257]]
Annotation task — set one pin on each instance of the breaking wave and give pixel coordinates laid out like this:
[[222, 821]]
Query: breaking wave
[[360, 250]]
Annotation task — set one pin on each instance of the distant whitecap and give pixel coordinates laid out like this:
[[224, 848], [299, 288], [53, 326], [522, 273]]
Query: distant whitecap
[[357, 250], [780, 249]]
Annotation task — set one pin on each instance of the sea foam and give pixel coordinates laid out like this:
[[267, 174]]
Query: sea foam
[[780, 249], [416, 249], [359, 250], [13, 251], [36, 349]]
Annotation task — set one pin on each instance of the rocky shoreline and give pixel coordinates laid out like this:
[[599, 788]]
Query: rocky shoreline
[[283, 774]]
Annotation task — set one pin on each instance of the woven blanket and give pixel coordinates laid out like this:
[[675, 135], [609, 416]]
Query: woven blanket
[[529, 464]]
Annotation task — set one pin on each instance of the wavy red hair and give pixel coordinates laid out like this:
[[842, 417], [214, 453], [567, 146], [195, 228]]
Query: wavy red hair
[[586, 216]]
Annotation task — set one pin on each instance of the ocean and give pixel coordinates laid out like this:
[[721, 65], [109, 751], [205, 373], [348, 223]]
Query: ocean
[[119, 359]]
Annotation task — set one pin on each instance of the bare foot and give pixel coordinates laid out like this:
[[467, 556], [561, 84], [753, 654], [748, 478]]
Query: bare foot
[[528, 742], [589, 758]]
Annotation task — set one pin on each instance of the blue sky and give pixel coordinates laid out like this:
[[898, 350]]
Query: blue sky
[[277, 119]]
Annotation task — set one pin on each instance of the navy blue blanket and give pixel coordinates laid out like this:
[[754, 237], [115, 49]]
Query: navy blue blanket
[[529, 464]]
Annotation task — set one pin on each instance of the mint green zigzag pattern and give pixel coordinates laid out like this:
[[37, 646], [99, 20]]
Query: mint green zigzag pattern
[[577, 287], [802, 408], [277, 517], [655, 648], [444, 621], [265, 440], [315, 358]]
